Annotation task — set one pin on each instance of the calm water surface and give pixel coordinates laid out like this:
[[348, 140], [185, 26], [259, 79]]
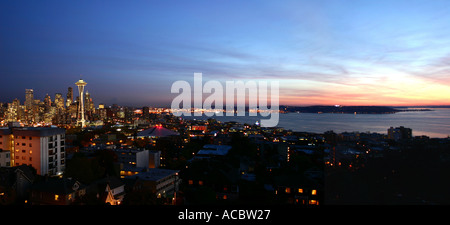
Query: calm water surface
[[434, 123]]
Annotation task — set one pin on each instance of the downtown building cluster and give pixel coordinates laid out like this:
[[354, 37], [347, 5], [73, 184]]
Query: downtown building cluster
[[65, 112], [34, 152], [148, 156], [57, 110]]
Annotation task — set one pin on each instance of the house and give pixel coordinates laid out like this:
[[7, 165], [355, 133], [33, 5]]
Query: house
[[15, 184], [163, 182], [109, 190], [56, 191], [297, 189]]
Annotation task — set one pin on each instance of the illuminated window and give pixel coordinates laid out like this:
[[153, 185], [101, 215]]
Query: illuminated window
[[224, 197], [191, 182], [300, 190], [31, 152], [288, 190], [313, 202], [314, 192], [200, 182], [56, 197]]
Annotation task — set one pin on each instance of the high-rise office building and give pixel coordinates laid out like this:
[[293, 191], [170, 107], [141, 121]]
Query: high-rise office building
[[13, 113], [29, 96], [59, 101], [88, 102], [47, 100], [69, 96]]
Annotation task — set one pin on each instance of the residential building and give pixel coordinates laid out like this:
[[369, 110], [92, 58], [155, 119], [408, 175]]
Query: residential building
[[56, 191], [295, 189], [40, 147], [154, 159], [163, 182], [15, 184], [109, 190], [132, 161], [5, 158], [399, 133]]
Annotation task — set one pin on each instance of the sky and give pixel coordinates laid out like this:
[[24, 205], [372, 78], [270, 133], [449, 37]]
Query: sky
[[361, 52]]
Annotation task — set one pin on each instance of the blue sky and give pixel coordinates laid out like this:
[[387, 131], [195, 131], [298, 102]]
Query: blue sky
[[322, 52]]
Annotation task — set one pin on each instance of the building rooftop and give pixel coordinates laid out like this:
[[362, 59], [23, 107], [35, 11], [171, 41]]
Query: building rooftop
[[57, 185], [128, 150], [157, 131], [5, 131], [214, 150], [154, 174], [113, 182], [32, 131]]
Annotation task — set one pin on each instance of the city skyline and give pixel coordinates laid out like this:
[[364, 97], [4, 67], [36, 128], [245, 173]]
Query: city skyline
[[391, 53], [55, 96]]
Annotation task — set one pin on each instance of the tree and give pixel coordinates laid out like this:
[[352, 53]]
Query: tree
[[81, 168], [107, 159]]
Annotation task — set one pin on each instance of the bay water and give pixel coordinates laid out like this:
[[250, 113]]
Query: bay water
[[434, 123]]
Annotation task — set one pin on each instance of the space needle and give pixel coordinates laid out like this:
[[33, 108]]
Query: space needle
[[80, 116]]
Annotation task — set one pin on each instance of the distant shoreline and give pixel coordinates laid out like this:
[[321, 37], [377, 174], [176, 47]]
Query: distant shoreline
[[349, 109]]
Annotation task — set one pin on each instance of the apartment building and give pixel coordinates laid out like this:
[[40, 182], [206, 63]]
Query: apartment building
[[43, 148]]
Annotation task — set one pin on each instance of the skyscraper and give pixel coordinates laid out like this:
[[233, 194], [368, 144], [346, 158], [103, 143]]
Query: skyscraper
[[89, 104], [47, 100], [69, 96], [80, 116], [59, 101], [29, 99]]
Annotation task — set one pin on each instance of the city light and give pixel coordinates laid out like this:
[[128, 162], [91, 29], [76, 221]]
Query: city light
[[235, 107]]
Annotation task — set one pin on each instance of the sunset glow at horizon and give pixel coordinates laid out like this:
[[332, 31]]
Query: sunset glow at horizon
[[326, 52]]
